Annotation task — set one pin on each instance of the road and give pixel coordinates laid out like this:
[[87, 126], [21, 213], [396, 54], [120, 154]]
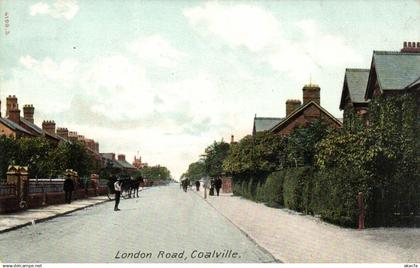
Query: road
[[163, 225]]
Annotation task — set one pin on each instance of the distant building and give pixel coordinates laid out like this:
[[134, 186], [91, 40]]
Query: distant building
[[119, 164], [137, 163]]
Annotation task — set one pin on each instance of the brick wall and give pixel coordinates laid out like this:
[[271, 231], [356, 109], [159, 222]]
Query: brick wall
[[79, 194], [11, 204], [36, 200], [227, 185], [55, 198], [8, 204]]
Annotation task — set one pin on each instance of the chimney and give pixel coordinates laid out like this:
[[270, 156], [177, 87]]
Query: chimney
[[28, 112], [411, 47], [14, 115], [63, 132], [11, 104], [96, 147], [311, 92], [73, 136], [48, 126], [292, 105], [121, 157], [81, 138], [232, 139]]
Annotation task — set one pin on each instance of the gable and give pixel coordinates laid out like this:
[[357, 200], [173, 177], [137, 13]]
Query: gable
[[307, 113], [392, 71]]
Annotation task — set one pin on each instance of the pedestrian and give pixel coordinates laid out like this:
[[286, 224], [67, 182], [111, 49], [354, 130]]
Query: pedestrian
[[218, 185], [197, 185], [211, 191], [185, 184], [117, 188], [68, 188]]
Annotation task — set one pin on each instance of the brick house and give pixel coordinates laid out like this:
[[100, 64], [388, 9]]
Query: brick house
[[119, 164], [298, 114], [10, 126]]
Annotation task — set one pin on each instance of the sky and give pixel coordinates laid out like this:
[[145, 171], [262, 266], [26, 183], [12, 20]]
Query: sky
[[164, 79]]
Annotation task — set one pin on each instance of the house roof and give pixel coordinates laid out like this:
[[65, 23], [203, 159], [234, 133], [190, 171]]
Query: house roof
[[32, 126], [356, 80], [301, 108], [265, 123], [414, 84], [117, 163], [40, 131], [125, 164], [13, 126], [396, 70]]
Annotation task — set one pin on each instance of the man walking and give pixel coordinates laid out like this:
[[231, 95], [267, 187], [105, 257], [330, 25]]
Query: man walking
[[218, 185], [68, 188], [117, 188], [197, 185]]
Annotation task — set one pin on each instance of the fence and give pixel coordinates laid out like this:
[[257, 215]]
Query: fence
[[7, 189], [45, 185]]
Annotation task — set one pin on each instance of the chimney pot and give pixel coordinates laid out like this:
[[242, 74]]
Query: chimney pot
[[28, 112], [48, 126], [292, 105], [311, 92]]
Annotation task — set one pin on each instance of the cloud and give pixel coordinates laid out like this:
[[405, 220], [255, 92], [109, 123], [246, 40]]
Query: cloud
[[239, 25], [157, 50], [312, 50], [60, 9], [49, 68], [119, 88]]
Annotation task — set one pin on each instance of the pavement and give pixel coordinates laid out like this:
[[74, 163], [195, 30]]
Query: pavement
[[163, 225], [12, 221], [295, 238]]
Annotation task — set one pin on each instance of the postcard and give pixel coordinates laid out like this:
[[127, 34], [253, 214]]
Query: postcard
[[143, 131]]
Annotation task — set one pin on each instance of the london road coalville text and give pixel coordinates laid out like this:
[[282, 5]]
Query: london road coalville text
[[195, 254]]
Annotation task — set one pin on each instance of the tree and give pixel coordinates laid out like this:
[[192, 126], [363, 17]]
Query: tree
[[154, 173], [196, 171], [213, 158], [255, 156], [8, 147], [36, 153]]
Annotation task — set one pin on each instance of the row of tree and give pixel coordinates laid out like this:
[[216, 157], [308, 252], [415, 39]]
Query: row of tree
[[43, 158], [154, 173], [257, 156]]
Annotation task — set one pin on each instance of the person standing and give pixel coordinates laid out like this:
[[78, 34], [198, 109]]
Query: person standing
[[68, 188], [218, 185], [212, 184], [197, 185], [117, 188]]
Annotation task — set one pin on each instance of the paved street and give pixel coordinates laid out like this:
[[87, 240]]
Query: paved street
[[163, 225]]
